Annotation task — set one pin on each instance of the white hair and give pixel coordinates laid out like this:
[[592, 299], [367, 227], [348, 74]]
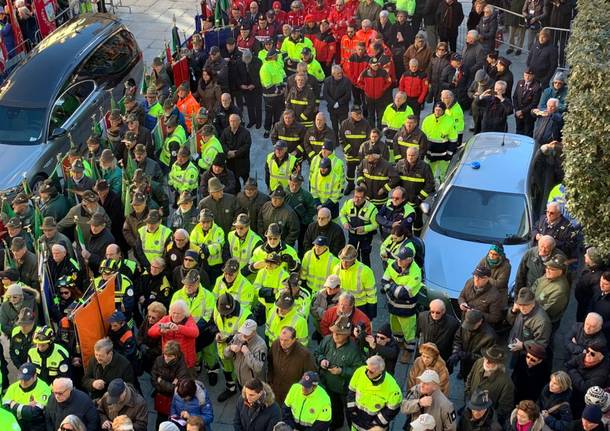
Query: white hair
[[183, 232], [64, 382], [552, 101], [596, 317], [336, 68], [440, 303], [473, 33], [180, 304], [104, 344], [377, 362], [548, 239], [59, 247]]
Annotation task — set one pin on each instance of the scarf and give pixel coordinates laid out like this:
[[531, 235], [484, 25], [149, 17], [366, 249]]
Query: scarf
[[525, 427]]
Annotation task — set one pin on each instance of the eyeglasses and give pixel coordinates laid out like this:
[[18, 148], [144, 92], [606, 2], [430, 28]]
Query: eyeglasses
[[60, 393]]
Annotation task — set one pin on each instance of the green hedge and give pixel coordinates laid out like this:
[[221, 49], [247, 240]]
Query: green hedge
[[586, 133]]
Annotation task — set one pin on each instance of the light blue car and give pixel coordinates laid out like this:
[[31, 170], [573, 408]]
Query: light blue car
[[494, 192]]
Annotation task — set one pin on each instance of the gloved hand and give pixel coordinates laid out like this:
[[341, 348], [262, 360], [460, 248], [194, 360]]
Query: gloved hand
[[289, 260], [204, 251], [453, 360], [267, 295]]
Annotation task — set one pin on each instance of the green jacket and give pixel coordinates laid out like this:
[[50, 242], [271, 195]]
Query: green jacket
[[552, 296], [302, 202], [348, 357], [114, 177], [56, 207]]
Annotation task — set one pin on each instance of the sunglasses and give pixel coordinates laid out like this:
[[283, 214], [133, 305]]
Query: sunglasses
[[592, 353]]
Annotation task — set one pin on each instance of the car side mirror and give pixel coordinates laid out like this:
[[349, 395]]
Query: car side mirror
[[58, 132], [425, 207]]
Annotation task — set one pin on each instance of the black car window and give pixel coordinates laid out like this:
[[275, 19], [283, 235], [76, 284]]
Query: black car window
[[69, 102], [113, 57]]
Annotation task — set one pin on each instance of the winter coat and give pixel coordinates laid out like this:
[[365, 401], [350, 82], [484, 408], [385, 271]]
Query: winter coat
[[132, 223], [374, 84], [96, 245], [284, 216], [585, 377], [526, 97], [332, 231], [558, 406], [134, 406], [435, 70], [506, 76], [227, 178], [448, 18], [347, 356], [287, 367], [225, 210], [437, 365], [552, 296], [199, 405], [538, 425], [487, 28], [209, 96], [337, 91], [534, 327], [583, 291], [423, 57], [9, 314], [542, 59], [487, 300], [458, 86], [240, 142], [119, 367], [185, 336], [252, 207], [357, 318], [252, 364], [168, 372], [489, 422], [473, 19], [473, 59], [495, 113], [552, 92], [531, 267], [303, 204], [528, 381], [261, 416], [472, 344], [441, 409], [440, 332], [512, 20], [500, 273], [498, 383], [548, 129], [78, 404]]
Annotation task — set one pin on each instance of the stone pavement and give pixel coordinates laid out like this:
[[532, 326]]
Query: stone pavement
[[151, 23]]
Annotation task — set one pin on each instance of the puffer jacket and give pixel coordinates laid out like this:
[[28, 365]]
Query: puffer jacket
[[374, 84], [199, 405], [260, 416]]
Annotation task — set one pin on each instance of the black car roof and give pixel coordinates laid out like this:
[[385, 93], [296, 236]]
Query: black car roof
[[34, 82]]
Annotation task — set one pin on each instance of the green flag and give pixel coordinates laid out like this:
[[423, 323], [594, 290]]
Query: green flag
[[144, 81], [37, 222], [121, 105], [125, 197], [7, 208], [157, 136], [130, 167], [79, 235]]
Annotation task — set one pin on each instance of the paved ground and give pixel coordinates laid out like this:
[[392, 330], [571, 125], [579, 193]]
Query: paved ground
[[151, 22]]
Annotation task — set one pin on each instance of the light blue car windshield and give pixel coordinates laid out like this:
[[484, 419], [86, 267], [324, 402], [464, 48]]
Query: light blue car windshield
[[482, 216], [21, 125]]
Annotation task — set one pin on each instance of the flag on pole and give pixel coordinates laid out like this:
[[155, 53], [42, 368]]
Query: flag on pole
[[168, 54], [158, 134], [37, 221], [175, 37], [121, 105], [130, 167], [126, 197], [80, 238], [9, 262], [7, 208], [144, 81], [47, 291]]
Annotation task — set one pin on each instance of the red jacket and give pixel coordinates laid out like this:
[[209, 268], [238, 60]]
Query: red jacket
[[386, 59], [246, 43], [339, 20], [296, 18], [366, 36], [185, 336], [264, 33], [374, 84], [354, 66], [415, 85], [318, 14], [330, 317], [281, 17], [326, 47], [348, 47]]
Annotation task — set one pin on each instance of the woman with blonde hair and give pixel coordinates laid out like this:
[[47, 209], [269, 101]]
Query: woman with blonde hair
[[72, 423], [554, 401], [429, 359]]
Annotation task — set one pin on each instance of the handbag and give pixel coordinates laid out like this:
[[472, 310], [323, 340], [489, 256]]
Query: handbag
[[162, 404]]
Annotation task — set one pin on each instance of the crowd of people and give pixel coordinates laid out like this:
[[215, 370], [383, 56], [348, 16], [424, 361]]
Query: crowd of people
[[267, 287]]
